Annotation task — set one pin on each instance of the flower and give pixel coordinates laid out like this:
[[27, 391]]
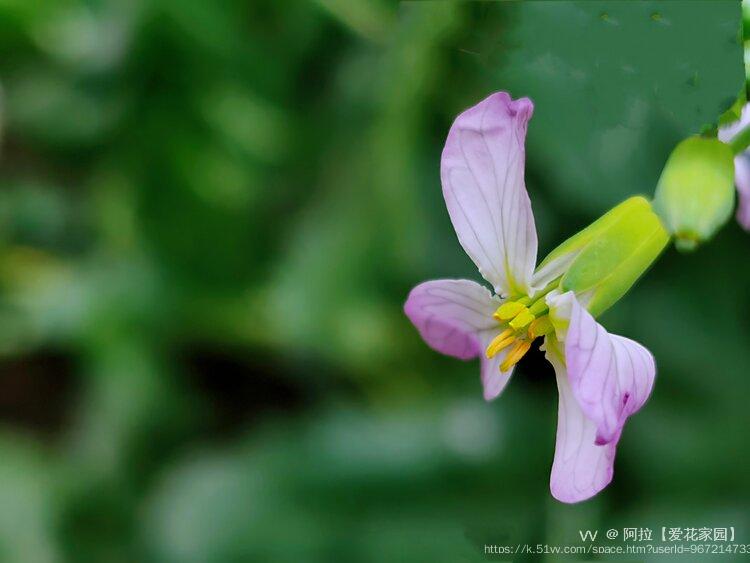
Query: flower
[[602, 378], [741, 167]]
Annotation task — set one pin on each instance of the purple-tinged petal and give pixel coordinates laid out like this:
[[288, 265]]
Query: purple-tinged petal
[[602, 379], [741, 167], [581, 467], [455, 318], [610, 376], [742, 181], [482, 172], [451, 315], [494, 380]]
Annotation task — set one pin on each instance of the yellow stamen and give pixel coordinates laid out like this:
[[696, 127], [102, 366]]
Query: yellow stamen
[[540, 327], [522, 320], [501, 341], [508, 310], [514, 356]]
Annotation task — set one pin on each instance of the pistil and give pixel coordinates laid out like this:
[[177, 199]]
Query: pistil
[[540, 327]]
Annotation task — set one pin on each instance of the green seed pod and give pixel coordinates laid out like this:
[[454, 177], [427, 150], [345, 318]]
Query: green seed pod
[[695, 194]]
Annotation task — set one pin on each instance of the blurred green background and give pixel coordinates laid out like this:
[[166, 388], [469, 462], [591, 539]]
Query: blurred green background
[[210, 216]]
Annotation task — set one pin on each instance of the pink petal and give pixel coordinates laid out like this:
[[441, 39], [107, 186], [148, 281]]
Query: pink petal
[[603, 379], [451, 314], [581, 468], [494, 380], [455, 318], [611, 376], [482, 172], [741, 167], [742, 180]]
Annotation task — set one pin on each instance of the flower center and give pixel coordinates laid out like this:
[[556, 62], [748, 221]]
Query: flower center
[[524, 321]]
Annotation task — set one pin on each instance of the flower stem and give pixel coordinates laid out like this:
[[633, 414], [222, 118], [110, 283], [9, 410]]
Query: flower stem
[[740, 141]]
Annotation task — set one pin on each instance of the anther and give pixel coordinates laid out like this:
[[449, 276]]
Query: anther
[[508, 310], [522, 320], [516, 353], [501, 341]]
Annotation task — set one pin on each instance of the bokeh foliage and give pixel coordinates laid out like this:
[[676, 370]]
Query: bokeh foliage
[[211, 213]]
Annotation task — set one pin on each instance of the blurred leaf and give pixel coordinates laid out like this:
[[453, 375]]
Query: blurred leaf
[[54, 108], [26, 504], [615, 85], [333, 480], [370, 18]]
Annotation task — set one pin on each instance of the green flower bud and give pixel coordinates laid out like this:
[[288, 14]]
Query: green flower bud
[[604, 260], [695, 194], [568, 250]]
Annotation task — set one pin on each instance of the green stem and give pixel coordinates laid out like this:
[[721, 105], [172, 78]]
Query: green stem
[[741, 141]]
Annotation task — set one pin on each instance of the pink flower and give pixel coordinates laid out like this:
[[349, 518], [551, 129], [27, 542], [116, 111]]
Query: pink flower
[[602, 378]]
